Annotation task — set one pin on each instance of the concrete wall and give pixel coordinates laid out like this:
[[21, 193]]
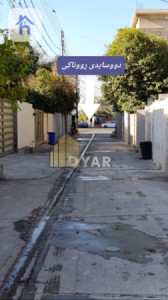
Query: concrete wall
[[126, 127], [150, 124], [59, 129], [69, 123], [140, 127], [156, 24], [25, 126], [162, 32], [152, 21], [134, 128], [133, 137], [157, 131], [119, 117], [49, 125], [60, 125]]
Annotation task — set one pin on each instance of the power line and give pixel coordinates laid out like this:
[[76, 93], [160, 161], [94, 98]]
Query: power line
[[47, 7], [9, 4], [9, 1], [50, 19], [54, 11], [13, 6], [39, 18], [54, 15], [38, 29], [44, 27], [42, 48]]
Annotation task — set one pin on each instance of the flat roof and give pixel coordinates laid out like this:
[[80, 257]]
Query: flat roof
[[151, 12]]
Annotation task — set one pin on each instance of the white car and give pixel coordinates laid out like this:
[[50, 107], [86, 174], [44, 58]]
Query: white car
[[110, 124]]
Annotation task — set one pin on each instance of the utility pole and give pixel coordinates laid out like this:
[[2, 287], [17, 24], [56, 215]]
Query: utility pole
[[62, 42], [77, 93], [65, 116]]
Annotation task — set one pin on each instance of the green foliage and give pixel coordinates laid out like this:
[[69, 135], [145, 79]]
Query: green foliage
[[105, 107], [146, 65], [33, 56], [82, 117], [15, 65], [52, 92]]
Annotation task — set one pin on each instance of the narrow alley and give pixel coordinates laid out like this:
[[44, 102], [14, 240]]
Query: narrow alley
[[107, 236]]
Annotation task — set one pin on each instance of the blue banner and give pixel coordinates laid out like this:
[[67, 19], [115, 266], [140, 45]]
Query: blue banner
[[91, 65]]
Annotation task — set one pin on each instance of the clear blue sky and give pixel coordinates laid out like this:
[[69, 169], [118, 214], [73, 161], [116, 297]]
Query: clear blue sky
[[88, 24]]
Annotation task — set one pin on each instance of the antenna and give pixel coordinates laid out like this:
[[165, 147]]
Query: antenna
[[141, 5]]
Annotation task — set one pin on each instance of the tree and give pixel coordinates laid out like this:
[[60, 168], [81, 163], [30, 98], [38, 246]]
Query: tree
[[146, 65], [41, 90], [105, 107], [52, 93], [33, 55], [15, 65]]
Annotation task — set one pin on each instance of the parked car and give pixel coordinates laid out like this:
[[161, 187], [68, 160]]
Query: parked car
[[110, 124], [83, 125]]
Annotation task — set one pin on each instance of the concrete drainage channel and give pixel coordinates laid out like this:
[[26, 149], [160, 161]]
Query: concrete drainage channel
[[37, 232], [1, 172]]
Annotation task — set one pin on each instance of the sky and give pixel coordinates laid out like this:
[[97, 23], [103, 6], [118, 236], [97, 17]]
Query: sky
[[88, 25]]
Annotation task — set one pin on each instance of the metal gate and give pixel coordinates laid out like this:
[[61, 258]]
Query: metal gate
[[39, 127], [8, 130]]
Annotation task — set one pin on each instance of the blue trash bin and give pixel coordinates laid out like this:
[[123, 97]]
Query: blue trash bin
[[52, 138]]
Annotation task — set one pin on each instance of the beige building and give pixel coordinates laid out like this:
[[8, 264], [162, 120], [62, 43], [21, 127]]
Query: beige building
[[153, 21]]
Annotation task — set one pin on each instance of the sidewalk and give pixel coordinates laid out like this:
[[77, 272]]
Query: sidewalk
[[28, 188]]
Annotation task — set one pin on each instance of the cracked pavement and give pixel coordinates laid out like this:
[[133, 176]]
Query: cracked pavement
[[107, 237]]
